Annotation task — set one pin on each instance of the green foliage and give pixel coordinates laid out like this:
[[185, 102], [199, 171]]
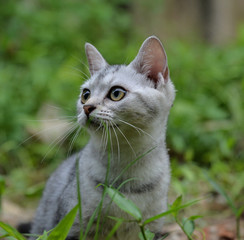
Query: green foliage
[[40, 63], [12, 232], [2, 189], [43, 61], [187, 224], [124, 204], [237, 211], [41, 44], [60, 232]]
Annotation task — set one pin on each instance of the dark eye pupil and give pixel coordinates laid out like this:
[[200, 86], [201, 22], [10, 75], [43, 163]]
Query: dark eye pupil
[[116, 93], [86, 95]]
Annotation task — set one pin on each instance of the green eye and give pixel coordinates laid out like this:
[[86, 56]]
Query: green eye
[[85, 95], [117, 93]]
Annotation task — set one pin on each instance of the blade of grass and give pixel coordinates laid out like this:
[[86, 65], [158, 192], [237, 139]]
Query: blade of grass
[[222, 192], [79, 197], [172, 210], [106, 183], [61, 231], [11, 231], [131, 164], [114, 229], [91, 221], [4, 236]]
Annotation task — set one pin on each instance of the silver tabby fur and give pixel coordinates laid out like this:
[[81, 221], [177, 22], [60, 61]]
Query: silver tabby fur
[[136, 124]]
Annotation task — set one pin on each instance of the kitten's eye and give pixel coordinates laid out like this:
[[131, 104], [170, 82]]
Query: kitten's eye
[[85, 95], [117, 93]]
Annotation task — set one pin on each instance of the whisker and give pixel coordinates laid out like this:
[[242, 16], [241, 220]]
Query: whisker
[[139, 130], [103, 138], [106, 136], [126, 139], [58, 140], [84, 74], [117, 140], [99, 127], [44, 130], [73, 140], [79, 60], [111, 141], [78, 74], [51, 120]]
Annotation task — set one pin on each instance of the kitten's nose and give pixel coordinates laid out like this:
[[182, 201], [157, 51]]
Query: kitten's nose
[[88, 109]]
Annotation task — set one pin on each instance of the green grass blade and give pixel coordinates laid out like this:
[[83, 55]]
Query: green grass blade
[[44, 236], [11, 231], [124, 203], [240, 211], [61, 231], [170, 211], [4, 236], [106, 183], [79, 197], [91, 221], [194, 217], [131, 164], [114, 229], [222, 192]]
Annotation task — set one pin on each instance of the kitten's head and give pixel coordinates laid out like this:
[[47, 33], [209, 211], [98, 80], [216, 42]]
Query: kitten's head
[[139, 95]]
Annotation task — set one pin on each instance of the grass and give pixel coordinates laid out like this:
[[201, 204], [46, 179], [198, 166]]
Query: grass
[[60, 232]]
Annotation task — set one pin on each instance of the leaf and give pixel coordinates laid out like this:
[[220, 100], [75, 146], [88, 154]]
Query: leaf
[[2, 189], [44, 236], [222, 192], [240, 211], [176, 204], [11, 231], [124, 203], [170, 211], [195, 217], [61, 231], [189, 226], [149, 235]]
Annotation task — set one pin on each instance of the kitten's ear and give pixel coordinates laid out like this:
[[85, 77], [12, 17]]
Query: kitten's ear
[[95, 59], [151, 60]]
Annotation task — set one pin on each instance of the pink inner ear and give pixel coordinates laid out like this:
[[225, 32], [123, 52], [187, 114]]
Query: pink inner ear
[[156, 63], [152, 60]]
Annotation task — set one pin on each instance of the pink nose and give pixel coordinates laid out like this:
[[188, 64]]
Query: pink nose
[[88, 109]]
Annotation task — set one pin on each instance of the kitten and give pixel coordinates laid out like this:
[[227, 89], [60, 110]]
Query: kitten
[[129, 105]]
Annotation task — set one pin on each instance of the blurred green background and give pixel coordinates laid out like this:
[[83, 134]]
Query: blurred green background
[[43, 64]]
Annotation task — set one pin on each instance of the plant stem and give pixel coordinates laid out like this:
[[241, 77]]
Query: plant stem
[[79, 197], [238, 235], [181, 226], [106, 184], [143, 231]]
